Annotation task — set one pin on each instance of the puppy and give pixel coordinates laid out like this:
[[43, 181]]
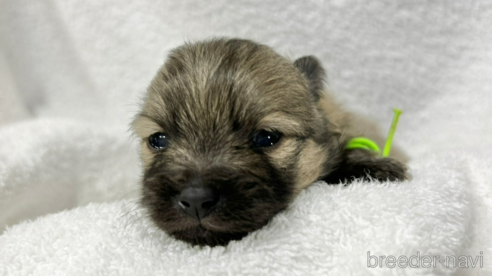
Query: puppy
[[231, 132]]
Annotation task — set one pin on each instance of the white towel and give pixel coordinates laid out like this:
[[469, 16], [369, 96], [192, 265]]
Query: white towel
[[72, 76]]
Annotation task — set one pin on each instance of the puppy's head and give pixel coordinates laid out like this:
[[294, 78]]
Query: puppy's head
[[230, 133]]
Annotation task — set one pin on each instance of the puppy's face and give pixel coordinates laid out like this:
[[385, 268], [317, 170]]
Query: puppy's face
[[230, 133]]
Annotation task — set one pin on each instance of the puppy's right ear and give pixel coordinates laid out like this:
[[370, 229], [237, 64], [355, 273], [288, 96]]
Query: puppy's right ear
[[312, 70]]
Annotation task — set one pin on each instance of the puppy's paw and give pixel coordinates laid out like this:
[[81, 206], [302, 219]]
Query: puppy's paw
[[382, 169], [361, 164]]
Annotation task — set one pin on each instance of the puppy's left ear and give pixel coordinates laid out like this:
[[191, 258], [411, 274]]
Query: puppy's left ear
[[312, 70]]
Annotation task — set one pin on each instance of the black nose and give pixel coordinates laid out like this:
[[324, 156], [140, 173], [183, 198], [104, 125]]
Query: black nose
[[198, 202]]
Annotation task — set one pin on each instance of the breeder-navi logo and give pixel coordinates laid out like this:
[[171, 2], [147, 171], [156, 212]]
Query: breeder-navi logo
[[416, 261]]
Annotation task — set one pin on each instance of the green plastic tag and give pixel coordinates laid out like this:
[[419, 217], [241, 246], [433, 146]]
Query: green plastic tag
[[362, 143], [368, 144]]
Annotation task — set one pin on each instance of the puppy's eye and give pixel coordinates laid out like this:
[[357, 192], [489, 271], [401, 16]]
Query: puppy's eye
[[265, 138], [158, 141]]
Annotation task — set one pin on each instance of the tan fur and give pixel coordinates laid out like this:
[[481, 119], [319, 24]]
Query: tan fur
[[144, 127], [145, 154], [338, 118], [281, 156], [281, 121], [310, 164]]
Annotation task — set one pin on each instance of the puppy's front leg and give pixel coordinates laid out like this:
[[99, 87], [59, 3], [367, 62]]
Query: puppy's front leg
[[363, 164]]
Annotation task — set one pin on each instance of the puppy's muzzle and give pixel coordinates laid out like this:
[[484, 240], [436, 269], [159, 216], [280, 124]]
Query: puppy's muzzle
[[198, 202]]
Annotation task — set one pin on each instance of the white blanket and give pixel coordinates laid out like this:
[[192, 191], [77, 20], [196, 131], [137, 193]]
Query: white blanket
[[72, 75]]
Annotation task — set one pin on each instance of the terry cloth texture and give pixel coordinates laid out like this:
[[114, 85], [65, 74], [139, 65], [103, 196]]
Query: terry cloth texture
[[72, 75]]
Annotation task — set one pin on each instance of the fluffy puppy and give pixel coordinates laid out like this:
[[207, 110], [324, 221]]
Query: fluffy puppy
[[231, 132]]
